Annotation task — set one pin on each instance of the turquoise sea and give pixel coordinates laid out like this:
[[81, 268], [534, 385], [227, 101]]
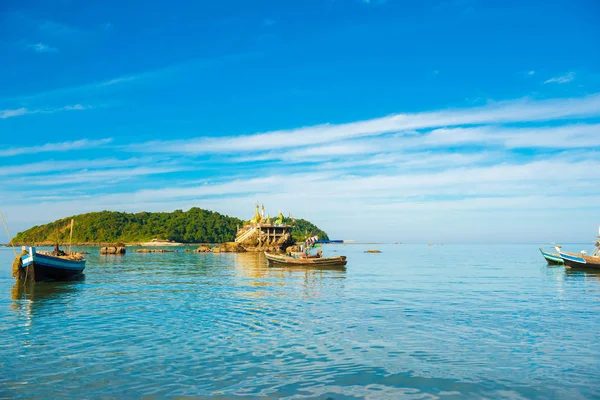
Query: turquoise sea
[[414, 322]]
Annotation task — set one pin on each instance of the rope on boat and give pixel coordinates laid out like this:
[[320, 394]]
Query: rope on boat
[[8, 233], [18, 272]]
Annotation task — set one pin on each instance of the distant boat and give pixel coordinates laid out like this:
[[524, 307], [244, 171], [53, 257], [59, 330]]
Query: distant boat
[[47, 266], [552, 258], [582, 260], [314, 261]]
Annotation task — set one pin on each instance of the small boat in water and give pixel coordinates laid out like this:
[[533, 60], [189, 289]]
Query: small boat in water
[[315, 261], [552, 258], [582, 260], [304, 258], [52, 265]]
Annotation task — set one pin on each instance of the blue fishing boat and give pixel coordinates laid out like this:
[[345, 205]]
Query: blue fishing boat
[[552, 258], [48, 266]]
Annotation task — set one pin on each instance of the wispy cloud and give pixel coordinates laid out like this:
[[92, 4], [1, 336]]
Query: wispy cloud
[[109, 175], [13, 113], [561, 79], [494, 181], [426, 171], [402, 147], [143, 76], [51, 166], [55, 147], [531, 72], [502, 112], [373, 2], [24, 111], [71, 108], [116, 81], [41, 48]]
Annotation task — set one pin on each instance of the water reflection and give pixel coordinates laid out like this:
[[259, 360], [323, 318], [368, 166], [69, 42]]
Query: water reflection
[[312, 279], [255, 265], [586, 274], [39, 293]]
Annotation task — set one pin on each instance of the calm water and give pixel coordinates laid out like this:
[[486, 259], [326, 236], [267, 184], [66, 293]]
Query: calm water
[[415, 321]]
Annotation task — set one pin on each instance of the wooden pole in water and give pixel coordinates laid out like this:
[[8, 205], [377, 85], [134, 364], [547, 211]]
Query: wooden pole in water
[[8, 233], [71, 238]]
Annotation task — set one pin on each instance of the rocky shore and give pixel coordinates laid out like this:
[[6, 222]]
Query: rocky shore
[[227, 247]]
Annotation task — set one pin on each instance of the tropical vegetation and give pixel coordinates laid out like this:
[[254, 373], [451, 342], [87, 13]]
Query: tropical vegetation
[[193, 226]]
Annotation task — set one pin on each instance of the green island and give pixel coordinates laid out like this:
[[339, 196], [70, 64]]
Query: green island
[[193, 226]]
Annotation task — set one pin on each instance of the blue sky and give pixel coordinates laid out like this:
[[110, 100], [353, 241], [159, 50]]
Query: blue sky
[[423, 121]]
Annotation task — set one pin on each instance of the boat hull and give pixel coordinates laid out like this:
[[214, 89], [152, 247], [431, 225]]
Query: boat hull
[[580, 261], [551, 258], [48, 267], [322, 262]]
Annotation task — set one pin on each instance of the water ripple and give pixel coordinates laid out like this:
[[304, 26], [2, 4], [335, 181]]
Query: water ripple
[[402, 324]]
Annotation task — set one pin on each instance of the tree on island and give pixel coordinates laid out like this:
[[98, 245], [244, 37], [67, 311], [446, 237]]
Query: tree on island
[[193, 226]]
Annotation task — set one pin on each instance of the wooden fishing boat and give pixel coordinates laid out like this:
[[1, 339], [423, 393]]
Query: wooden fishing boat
[[47, 266], [574, 260], [313, 261], [552, 258], [582, 260]]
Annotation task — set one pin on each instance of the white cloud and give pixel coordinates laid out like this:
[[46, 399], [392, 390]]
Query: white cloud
[[406, 161], [560, 137], [55, 147], [45, 167], [423, 176], [361, 200], [330, 187], [490, 137], [24, 111], [86, 176], [502, 112], [42, 48], [562, 79], [115, 81], [531, 72], [13, 113]]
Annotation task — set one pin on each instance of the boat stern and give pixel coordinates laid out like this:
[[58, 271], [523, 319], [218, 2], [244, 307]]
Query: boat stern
[[27, 259]]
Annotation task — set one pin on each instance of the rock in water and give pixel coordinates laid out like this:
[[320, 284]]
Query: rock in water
[[118, 248], [203, 249]]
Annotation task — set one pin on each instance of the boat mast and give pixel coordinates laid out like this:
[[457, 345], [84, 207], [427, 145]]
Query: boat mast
[[71, 238]]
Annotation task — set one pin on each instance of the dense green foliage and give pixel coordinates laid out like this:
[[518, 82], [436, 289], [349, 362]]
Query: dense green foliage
[[304, 229], [193, 226]]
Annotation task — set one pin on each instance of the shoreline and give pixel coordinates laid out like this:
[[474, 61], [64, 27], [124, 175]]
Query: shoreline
[[104, 244]]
